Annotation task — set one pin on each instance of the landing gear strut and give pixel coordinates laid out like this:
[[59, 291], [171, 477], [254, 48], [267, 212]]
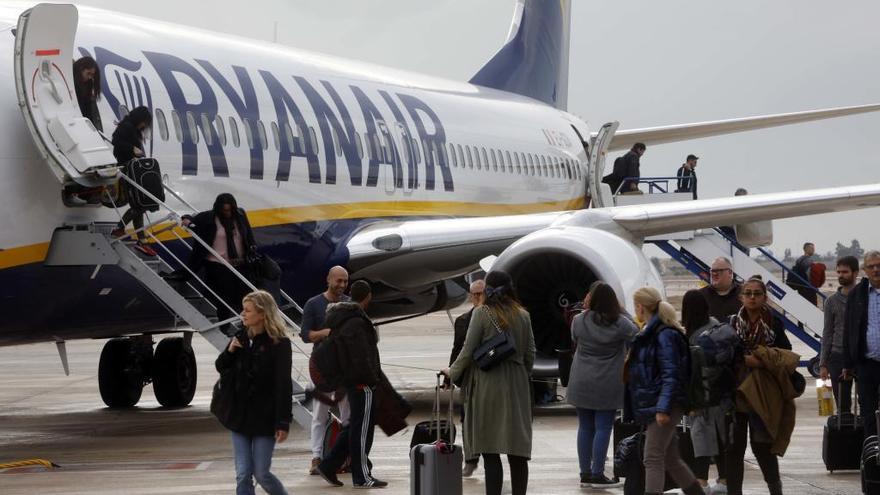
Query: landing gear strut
[[123, 370], [174, 372]]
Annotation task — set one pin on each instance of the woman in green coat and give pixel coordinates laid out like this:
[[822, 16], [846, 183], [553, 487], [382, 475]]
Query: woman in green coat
[[498, 402]]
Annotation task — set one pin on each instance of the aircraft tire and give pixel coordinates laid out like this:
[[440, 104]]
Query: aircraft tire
[[119, 379], [174, 372]]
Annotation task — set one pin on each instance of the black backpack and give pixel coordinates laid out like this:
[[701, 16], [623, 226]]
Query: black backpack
[[326, 359], [712, 359]]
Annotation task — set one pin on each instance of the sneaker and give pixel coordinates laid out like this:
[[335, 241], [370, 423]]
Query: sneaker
[[469, 468], [147, 250], [313, 471], [602, 481], [586, 481], [373, 483], [329, 477], [716, 489]]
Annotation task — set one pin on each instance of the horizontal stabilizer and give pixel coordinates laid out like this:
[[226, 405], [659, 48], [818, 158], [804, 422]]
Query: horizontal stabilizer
[[624, 139], [663, 218]]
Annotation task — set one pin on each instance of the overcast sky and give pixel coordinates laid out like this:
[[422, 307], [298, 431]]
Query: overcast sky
[[644, 64]]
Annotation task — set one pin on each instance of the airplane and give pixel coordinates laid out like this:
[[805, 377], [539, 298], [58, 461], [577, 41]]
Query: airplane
[[409, 181]]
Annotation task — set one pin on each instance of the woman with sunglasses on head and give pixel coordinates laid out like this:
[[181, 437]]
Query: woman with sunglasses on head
[[757, 327]]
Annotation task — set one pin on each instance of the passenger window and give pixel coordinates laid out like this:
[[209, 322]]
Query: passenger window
[[288, 136], [178, 131], [497, 157], [485, 158], [477, 158], [470, 157], [249, 133], [276, 137], [233, 130], [460, 155], [163, 124], [359, 144], [221, 130], [192, 127], [261, 131], [336, 145], [452, 155], [518, 165], [206, 129], [313, 140], [415, 146]]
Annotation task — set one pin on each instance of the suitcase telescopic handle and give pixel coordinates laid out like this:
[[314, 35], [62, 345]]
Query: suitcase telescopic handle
[[839, 401], [436, 410]]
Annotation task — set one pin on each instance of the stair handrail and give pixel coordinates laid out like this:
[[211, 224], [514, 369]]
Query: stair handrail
[[788, 272], [178, 219]]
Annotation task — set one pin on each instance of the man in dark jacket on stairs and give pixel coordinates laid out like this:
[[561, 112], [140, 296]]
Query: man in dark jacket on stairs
[[356, 342]]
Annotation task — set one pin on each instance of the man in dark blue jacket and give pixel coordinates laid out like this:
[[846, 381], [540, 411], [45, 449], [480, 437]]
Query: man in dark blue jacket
[[687, 176], [861, 341]]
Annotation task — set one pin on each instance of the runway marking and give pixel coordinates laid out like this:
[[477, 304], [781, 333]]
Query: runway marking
[[134, 466]]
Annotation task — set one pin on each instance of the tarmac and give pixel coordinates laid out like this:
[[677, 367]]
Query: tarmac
[[150, 450]]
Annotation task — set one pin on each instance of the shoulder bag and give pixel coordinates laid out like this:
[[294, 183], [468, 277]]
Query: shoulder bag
[[495, 350]]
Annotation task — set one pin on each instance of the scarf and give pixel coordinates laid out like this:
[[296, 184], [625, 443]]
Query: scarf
[[754, 334]]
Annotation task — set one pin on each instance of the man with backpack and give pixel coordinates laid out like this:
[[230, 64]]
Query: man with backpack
[[354, 341], [626, 167], [799, 278], [314, 330]]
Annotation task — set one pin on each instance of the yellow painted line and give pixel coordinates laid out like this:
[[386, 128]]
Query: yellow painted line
[[36, 253]]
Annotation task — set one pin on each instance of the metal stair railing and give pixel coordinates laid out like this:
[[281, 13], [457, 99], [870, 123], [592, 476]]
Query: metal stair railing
[[301, 415]]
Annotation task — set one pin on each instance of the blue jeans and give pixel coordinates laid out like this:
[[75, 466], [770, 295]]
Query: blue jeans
[[594, 434], [253, 458]]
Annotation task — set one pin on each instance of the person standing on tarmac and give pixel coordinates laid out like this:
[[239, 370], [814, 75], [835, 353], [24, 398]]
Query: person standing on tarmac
[[127, 145], [498, 401], [461, 326], [600, 335], [831, 356], [722, 293], [656, 373], [260, 358], [861, 342], [357, 346], [313, 331]]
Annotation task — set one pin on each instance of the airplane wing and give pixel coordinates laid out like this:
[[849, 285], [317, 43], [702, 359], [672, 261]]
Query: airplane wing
[[624, 139], [410, 252], [663, 218]]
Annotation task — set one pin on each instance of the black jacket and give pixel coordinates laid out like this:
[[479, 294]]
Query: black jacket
[[687, 180], [125, 138], [625, 166], [855, 325], [461, 327], [205, 226], [356, 344], [722, 307], [263, 385]]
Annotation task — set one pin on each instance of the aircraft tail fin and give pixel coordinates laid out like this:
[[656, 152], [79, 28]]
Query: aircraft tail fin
[[534, 60]]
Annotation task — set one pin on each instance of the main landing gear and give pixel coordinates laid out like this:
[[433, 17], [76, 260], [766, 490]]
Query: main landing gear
[[128, 364]]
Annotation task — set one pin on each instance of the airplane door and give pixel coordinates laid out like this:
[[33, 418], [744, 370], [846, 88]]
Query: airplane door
[[597, 161], [68, 142]]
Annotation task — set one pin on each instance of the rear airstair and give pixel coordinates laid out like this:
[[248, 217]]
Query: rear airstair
[[189, 302], [697, 252]]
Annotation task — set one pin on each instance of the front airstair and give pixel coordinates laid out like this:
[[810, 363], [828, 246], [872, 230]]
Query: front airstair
[[190, 302], [696, 252]]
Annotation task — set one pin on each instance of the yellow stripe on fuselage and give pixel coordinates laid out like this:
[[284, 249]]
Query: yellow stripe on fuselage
[[35, 253]]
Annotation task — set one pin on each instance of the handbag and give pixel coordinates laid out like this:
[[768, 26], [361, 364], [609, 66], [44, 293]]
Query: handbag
[[223, 397], [495, 350]]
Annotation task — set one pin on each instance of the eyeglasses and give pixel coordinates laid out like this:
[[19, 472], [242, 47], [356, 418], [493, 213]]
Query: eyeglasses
[[752, 293], [718, 271]]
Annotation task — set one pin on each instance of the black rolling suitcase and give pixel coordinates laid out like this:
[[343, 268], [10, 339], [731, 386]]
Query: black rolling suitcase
[[842, 431], [629, 460], [869, 465], [623, 429], [146, 173], [435, 466], [425, 432]]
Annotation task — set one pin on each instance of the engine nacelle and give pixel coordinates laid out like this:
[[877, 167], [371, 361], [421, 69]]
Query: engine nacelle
[[554, 267]]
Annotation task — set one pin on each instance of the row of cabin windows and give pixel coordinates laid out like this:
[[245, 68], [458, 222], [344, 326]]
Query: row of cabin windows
[[463, 156]]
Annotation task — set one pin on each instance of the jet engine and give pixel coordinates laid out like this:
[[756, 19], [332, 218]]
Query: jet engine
[[553, 268]]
